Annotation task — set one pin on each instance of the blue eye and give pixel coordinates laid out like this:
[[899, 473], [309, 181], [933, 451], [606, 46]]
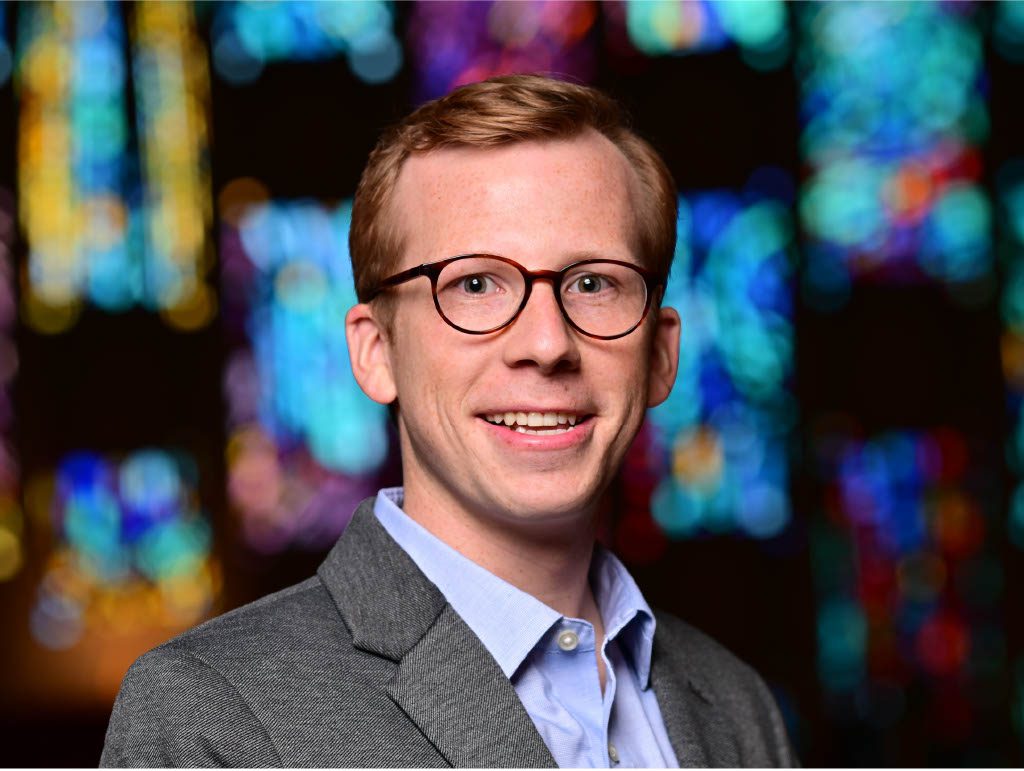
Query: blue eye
[[474, 284]]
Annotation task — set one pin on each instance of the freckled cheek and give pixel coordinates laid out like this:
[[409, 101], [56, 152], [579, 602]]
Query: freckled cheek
[[618, 372], [450, 388]]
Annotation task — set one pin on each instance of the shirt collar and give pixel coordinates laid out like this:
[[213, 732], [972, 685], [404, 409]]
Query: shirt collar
[[508, 621], [627, 617]]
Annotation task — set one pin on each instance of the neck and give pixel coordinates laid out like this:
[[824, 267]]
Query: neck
[[549, 563]]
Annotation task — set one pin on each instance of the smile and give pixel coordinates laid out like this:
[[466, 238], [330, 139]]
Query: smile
[[538, 423]]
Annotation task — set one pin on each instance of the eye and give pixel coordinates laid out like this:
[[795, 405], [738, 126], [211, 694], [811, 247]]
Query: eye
[[588, 284], [476, 284]]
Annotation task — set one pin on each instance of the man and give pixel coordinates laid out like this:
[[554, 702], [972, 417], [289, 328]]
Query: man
[[510, 244]]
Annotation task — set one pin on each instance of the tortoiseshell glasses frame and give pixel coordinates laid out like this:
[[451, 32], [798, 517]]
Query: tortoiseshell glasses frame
[[432, 270]]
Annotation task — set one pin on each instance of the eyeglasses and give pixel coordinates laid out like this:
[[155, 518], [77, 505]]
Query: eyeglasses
[[482, 293]]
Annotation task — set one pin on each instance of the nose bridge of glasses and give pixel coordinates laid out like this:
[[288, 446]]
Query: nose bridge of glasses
[[552, 276], [544, 320]]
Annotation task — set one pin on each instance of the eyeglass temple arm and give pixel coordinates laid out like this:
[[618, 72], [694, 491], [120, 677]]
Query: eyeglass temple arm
[[400, 278]]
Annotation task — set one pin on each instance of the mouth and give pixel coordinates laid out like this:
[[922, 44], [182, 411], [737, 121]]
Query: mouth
[[538, 423]]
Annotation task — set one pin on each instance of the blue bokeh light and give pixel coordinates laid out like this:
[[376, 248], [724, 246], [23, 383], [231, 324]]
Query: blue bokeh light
[[727, 419], [893, 110], [248, 35]]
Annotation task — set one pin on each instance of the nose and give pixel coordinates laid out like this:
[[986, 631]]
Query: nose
[[541, 336]]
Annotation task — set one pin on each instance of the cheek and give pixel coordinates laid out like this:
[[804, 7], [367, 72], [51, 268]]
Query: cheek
[[628, 373], [415, 348], [435, 377], [625, 382]]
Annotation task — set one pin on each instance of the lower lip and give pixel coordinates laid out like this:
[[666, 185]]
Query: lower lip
[[577, 435]]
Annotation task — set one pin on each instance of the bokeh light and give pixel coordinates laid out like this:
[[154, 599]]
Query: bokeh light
[[1010, 195], [893, 111], [1008, 30], [305, 443], [899, 185], [6, 56], [908, 580], [131, 547], [172, 97], [12, 525], [247, 35], [462, 41], [759, 30], [102, 228], [72, 161], [724, 430]]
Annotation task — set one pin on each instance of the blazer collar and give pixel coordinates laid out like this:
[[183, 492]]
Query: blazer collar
[[445, 680], [387, 603]]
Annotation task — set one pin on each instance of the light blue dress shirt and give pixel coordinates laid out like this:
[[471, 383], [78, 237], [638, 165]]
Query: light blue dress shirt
[[550, 658]]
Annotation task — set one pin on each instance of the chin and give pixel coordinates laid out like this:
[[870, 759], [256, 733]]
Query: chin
[[547, 504]]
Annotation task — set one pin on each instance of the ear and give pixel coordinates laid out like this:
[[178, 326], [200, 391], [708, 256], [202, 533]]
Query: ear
[[664, 356], [368, 353]]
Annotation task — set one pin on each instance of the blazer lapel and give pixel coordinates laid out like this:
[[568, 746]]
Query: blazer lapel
[[445, 681], [693, 723], [454, 690]]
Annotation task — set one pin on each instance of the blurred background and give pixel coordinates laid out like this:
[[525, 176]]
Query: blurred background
[[834, 489]]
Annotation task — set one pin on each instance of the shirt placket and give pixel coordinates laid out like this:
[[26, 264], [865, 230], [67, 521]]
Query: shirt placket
[[573, 644]]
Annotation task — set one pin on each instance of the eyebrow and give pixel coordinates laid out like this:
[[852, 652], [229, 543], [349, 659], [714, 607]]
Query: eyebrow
[[570, 257], [590, 254]]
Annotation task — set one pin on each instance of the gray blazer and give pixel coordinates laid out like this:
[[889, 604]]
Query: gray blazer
[[366, 664]]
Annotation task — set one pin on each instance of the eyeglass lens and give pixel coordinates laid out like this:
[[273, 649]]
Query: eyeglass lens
[[480, 293]]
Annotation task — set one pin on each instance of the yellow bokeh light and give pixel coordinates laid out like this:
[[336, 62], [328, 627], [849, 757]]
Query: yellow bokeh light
[[38, 495], [187, 597], [193, 311], [11, 556], [698, 459], [173, 95], [68, 228], [11, 517], [46, 318]]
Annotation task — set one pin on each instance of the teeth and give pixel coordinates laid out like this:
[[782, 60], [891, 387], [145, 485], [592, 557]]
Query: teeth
[[519, 421]]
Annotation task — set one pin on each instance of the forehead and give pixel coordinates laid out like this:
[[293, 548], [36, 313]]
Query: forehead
[[552, 198]]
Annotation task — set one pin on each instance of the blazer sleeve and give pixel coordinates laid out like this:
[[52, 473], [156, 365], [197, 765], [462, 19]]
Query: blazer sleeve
[[174, 710]]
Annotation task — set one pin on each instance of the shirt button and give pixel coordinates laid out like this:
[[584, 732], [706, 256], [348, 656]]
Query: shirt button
[[568, 640], [613, 753]]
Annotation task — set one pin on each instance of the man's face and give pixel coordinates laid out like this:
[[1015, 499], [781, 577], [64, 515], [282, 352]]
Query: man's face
[[544, 205]]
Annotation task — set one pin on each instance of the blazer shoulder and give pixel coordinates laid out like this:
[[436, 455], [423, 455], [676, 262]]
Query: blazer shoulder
[[203, 697], [283, 623], [737, 691], [175, 710], [276, 682]]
